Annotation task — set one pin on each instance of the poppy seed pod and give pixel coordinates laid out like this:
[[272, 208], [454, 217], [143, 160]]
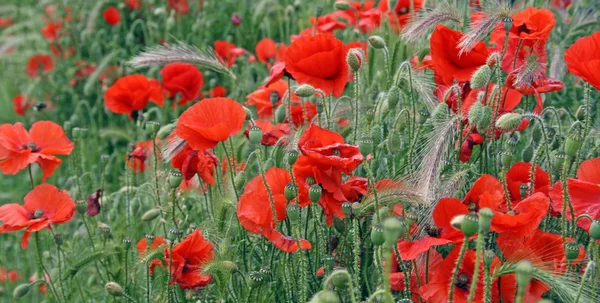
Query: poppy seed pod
[[506, 157], [149, 240], [152, 127], [80, 206], [21, 290], [114, 289], [475, 113], [289, 191], [370, 115], [393, 228], [280, 113], [314, 193], [293, 212], [305, 91], [255, 279], [507, 22], [127, 243], [485, 120], [175, 179], [354, 60], [365, 145], [485, 219], [441, 111], [456, 221], [356, 211], [325, 296], [470, 224], [377, 237], [524, 270], [595, 230], [165, 131], [488, 257], [393, 96], [481, 77], [423, 115], [523, 188], [347, 209], [377, 42], [509, 121], [173, 234], [559, 160], [292, 156], [572, 251], [341, 5], [255, 134]]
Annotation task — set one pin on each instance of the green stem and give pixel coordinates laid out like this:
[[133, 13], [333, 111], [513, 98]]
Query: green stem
[[463, 250], [45, 271], [475, 277], [231, 174], [585, 275], [356, 101]]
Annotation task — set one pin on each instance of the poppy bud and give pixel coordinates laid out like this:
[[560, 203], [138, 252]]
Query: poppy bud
[[293, 212], [523, 188], [572, 251], [354, 60], [423, 115], [175, 179], [365, 145], [338, 278], [165, 131], [488, 257], [21, 290], [595, 230], [441, 111], [527, 154], [506, 158], [376, 134], [393, 97], [485, 219], [481, 77], [68, 127], [229, 265], [152, 127], [173, 234], [325, 296], [341, 5], [524, 270], [255, 134], [511, 143], [475, 113], [356, 209], [509, 121], [305, 91], [393, 228], [470, 224], [292, 156], [377, 237], [149, 240], [314, 193], [559, 160], [347, 208], [114, 289], [104, 159], [236, 19], [485, 120], [240, 180], [394, 141], [377, 42], [289, 191], [574, 140], [280, 113], [580, 114], [508, 23]]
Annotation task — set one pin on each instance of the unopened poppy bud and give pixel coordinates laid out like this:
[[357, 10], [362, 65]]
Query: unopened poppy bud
[[441, 111], [485, 120], [165, 131], [341, 5], [127, 243], [506, 157], [393, 97], [423, 115], [255, 279], [508, 23], [292, 156], [559, 160], [153, 127], [481, 77], [325, 296], [488, 257], [595, 230], [470, 224], [240, 180], [365, 145], [289, 191], [523, 189], [280, 113], [377, 237], [574, 140], [255, 134], [475, 113], [293, 212], [338, 278], [524, 270], [485, 219], [377, 42], [151, 214], [509, 121], [347, 209], [175, 179], [581, 113], [376, 134], [114, 289], [393, 228], [356, 209], [572, 251], [354, 60], [527, 154], [149, 240], [314, 193], [305, 91], [394, 141], [229, 265]]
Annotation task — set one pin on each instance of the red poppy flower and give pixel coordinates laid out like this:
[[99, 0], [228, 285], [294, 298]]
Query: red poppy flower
[[327, 148], [209, 122], [583, 59], [277, 72], [227, 52], [307, 172], [136, 159], [39, 64], [182, 78], [369, 17], [319, 61], [519, 175], [93, 203], [540, 83], [255, 214], [21, 104], [51, 30], [508, 102], [112, 16], [447, 62], [436, 291], [142, 248], [466, 148], [218, 91], [399, 16], [261, 98], [4, 22], [191, 162], [271, 134], [266, 50], [44, 205], [132, 93], [529, 32], [133, 4], [562, 4], [18, 148], [524, 217], [9, 275], [397, 277], [189, 256], [180, 6], [584, 192]]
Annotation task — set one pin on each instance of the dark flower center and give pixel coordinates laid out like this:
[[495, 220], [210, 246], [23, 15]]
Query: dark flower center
[[38, 213], [32, 146], [433, 231], [523, 29], [336, 152], [462, 281], [473, 206]]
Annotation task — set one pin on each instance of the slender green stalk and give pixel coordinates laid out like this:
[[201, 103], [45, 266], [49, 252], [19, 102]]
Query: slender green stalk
[[46, 274], [475, 277], [356, 102], [231, 174], [356, 253], [463, 250], [586, 273]]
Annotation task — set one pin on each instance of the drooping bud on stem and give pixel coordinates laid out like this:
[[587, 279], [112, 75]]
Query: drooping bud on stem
[[377, 42]]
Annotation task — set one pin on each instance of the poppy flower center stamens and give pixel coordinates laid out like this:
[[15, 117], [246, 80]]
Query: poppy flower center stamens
[[336, 152], [38, 213], [523, 29], [462, 281], [433, 231], [473, 207], [32, 146], [310, 180]]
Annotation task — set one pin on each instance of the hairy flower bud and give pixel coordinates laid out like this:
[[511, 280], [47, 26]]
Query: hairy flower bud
[[341, 5], [305, 91], [325, 296], [376, 134], [509, 121], [393, 96], [481, 77], [280, 114], [377, 42], [475, 113], [114, 289], [441, 111], [485, 120], [574, 140], [595, 230], [354, 58], [21, 290]]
